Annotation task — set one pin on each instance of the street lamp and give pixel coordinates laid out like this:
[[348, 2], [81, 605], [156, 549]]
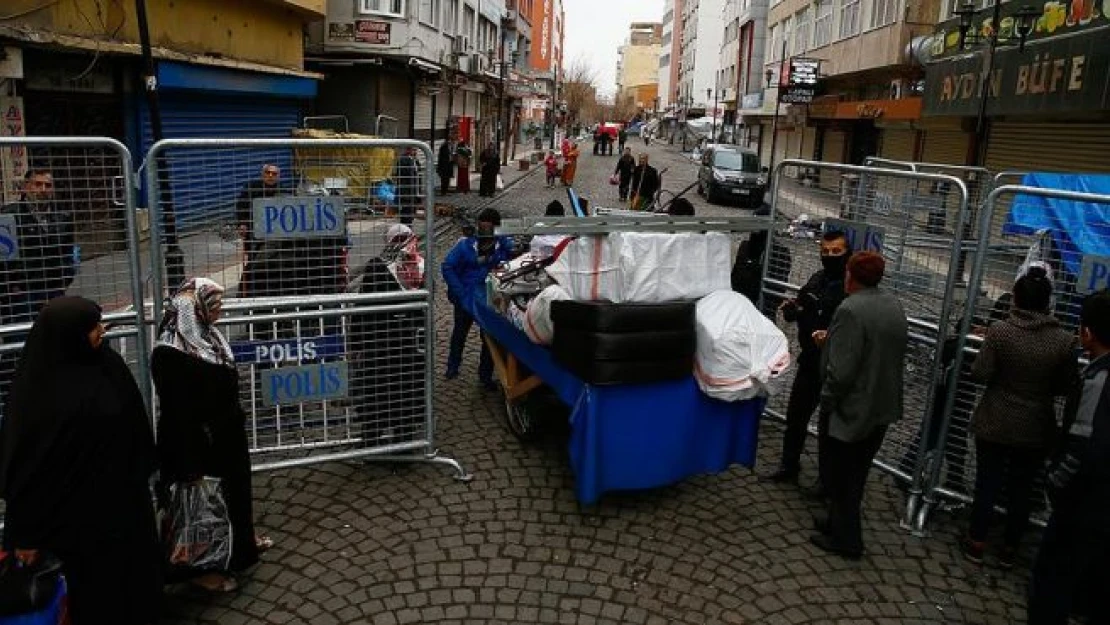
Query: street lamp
[[1025, 18], [554, 98], [674, 120], [716, 93]]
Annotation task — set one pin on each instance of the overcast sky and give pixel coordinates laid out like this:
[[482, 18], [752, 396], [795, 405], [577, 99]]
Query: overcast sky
[[596, 28]]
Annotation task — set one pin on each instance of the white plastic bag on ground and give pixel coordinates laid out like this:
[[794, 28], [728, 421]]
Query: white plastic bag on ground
[[740, 352], [644, 267], [537, 320]]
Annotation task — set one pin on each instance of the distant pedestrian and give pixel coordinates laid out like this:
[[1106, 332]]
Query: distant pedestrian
[[625, 166], [551, 167], [863, 364], [202, 429], [622, 138], [463, 156], [491, 168], [406, 175], [268, 185], [465, 270], [645, 184], [444, 167], [599, 140], [570, 165], [564, 147], [1026, 362], [1072, 572], [76, 457]]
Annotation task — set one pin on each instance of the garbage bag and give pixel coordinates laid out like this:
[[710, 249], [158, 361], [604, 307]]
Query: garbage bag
[[740, 352], [537, 321], [386, 192], [197, 528]]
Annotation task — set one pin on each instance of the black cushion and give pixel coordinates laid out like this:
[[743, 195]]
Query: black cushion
[[622, 318], [603, 372], [658, 345]]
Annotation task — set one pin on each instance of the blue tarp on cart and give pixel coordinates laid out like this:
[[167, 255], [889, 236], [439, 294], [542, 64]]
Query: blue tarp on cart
[[627, 437]]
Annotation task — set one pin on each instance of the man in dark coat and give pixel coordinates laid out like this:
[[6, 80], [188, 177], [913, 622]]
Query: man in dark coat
[[622, 138], [46, 262], [813, 311], [268, 185], [863, 365], [645, 184], [625, 166], [445, 165], [1072, 572], [406, 174], [491, 167]]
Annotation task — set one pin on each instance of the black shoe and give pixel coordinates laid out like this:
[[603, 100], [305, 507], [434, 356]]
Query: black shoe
[[824, 543], [783, 476], [1007, 556]]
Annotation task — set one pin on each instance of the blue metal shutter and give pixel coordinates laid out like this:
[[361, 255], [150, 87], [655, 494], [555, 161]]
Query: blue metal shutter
[[205, 185]]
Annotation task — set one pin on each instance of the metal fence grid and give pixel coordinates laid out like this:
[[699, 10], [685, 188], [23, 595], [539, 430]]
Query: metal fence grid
[[885, 210], [328, 298]]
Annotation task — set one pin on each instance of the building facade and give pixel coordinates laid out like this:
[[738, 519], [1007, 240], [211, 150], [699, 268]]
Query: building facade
[[1048, 105], [702, 34], [546, 63], [741, 65], [869, 94], [670, 54], [638, 66]]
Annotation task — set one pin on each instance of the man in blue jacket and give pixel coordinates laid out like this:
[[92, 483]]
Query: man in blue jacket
[[465, 270]]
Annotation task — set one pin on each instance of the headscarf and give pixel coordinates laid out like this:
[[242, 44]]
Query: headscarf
[[402, 256], [188, 323]]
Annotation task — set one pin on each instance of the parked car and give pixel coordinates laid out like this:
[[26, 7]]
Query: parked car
[[730, 173]]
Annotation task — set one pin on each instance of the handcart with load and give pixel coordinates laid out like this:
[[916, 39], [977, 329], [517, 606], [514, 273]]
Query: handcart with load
[[630, 323]]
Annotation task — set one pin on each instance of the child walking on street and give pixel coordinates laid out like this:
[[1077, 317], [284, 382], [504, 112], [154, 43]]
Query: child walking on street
[[552, 165]]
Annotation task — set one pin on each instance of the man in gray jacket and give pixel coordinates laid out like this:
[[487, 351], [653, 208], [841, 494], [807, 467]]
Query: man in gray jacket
[[861, 393]]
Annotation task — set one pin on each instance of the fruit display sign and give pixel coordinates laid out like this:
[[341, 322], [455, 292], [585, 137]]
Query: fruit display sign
[[1056, 17]]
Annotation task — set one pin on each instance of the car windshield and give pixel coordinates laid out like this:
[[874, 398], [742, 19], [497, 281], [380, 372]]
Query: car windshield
[[741, 161]]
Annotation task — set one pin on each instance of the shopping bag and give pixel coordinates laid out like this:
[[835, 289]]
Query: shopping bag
[[386, 192], [500, 182], [29, 588], [196, 527], [614, 179]]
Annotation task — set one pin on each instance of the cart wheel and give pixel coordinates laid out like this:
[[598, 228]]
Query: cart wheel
[[522, 420]]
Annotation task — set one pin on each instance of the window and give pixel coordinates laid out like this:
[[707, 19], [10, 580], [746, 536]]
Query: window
[[883, 12], [787, 32], [429, 12], [849, 18], [392, 8], [451, 17], [774, 44], [822, 23], [801, 31], [468, 22]]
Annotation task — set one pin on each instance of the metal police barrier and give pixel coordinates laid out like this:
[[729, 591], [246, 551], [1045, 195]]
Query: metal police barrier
[[888, 213], [328, 305], [68, 226], [1001, 252]]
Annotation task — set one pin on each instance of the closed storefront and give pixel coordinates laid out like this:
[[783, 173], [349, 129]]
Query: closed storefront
[[832, 151], [1059, 147], [947, 146], [898, 144]]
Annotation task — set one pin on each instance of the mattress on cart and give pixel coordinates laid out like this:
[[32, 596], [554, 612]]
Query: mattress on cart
[[644, 267]]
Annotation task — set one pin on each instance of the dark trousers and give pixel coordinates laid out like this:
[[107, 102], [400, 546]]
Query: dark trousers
[[846, 468], [406, 211], [804, 397], [1001, 467], [625, 183], [444, 184], [1072, 571], [459, 334]]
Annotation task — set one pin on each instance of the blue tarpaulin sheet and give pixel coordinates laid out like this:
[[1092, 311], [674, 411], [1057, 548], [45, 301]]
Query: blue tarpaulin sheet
[[628, 437], [1077, 228]]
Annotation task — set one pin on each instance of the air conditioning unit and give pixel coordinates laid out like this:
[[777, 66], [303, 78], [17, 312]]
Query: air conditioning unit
[[510, 19], [461, 44], [897, 89], [478, 63]]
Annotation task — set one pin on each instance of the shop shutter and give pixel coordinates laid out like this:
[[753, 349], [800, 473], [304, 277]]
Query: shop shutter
[[948, 147], [809, 143], [1055, 147], [394, 101], [898, 144], [836, 141], [204, 187]]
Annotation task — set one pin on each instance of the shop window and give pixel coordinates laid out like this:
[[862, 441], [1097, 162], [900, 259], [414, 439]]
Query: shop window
[[392, 8]]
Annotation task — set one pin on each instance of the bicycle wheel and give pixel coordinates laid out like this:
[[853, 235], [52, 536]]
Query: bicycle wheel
[[662, 200]]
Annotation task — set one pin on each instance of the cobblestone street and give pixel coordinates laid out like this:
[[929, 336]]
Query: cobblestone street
[[386, 544]]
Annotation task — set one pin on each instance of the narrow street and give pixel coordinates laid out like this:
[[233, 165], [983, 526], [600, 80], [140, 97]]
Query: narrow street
[[407, 544]]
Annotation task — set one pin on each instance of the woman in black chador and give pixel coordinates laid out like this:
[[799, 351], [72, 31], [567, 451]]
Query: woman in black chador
[[202, 432], [76, 458]]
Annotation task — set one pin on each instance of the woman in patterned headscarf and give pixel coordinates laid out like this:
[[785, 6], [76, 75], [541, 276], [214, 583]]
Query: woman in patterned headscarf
[[201, 432]]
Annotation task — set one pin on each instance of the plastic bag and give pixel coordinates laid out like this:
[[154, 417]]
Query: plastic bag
[[386, 192], [500, 185], [614, 179], [197, 528], [537, 321], [740, 352]]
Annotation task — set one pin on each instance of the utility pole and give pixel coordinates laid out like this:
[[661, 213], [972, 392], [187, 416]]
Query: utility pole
[[778, 100]]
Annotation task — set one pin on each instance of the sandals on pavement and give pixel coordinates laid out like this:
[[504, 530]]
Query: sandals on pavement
[[207, 583], [263, 543]]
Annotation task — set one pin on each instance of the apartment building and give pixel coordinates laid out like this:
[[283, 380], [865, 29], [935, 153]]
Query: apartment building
[[702, 35], [638, 65], [426, 69], [670, 54], [1049, 105], [870, 88], [741, 66], [546, 63]]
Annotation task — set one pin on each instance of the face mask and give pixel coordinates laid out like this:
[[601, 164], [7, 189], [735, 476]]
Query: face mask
[[835, 266]]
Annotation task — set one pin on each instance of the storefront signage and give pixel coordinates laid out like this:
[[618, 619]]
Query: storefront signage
[[801, 83], [861, 237], [11, 63], [309, 217], [67, 77], [1053, 76], [290, 351], [9, 238], [13, 159], [341, 31], [373, 31], [294, 385], [753, 101], [1056, 18], [1094, 275]]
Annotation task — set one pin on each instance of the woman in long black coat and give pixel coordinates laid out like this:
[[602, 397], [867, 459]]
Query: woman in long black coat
[[76, 459], [202, 430], [491, 166]]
